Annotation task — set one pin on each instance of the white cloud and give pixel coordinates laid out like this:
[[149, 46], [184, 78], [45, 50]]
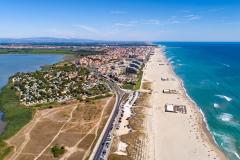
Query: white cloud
[[87, 28], [172, 20], [123, 24], [191, 17], [127, 24], [153, 21]]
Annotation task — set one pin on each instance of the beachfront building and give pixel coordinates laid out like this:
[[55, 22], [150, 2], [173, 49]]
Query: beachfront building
[[131, 70], [169, 108]]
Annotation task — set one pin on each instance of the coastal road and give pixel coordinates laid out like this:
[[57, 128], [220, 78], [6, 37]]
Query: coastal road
[[99, 148]]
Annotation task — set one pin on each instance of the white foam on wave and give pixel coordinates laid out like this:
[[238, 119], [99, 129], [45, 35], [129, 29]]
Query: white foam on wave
[[224, 97], [226, 65], [203, 115], [227, 143], [226, 117], [170, 58], [178, 60], [180, 64], [216, 105]]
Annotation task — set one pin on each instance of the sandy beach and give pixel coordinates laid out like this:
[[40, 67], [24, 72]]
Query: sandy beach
[[174, 136]]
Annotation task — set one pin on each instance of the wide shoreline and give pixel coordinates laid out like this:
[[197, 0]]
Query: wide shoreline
[[202, 129], [203, 119]]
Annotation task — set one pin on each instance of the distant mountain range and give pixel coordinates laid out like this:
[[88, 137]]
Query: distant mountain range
[[67, 41]]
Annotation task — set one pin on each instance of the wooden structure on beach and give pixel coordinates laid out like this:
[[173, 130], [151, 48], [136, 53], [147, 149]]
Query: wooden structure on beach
[[175, 108]]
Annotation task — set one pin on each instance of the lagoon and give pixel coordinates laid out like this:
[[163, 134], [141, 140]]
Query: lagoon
[[13, 63]]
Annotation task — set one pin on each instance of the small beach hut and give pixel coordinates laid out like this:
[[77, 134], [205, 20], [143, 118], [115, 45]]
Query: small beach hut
[[169, 108]]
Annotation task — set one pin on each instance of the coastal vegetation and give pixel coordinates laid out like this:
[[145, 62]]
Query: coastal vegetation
[[77, 52], [36, 51], [134, 86], [128, 86], [57, 150], [16, 116], [139, 81]]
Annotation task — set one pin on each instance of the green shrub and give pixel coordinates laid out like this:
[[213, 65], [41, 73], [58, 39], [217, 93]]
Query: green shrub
[[57, 150]]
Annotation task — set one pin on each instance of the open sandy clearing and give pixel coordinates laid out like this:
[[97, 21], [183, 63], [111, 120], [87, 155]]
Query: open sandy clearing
[[75, 126]]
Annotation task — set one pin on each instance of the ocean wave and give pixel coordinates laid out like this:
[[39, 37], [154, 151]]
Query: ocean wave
[[224, 97], [180, 64], [170, 58], [228, 143], [216, 105], [226, 117], [226, 65]]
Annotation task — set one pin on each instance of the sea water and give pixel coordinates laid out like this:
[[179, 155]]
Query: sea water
[[13, 63], [211, 76]]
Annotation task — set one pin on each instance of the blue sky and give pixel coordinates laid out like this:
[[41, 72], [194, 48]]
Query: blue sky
[[150, 20]]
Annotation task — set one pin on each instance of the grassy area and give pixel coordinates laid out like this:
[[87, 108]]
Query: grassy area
[[16, 117], [83, 52], [137, 85], [46, 105], [139, 81], [36, 51], [80, 52], [127, 86], [4, 149]]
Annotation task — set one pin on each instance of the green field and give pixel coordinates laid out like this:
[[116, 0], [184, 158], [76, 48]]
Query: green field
[[35, 51], [137, 85], [80, 52], [139, 81], [15, 114]]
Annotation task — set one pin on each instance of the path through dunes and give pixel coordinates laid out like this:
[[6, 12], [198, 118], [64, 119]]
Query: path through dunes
[[75, 126]]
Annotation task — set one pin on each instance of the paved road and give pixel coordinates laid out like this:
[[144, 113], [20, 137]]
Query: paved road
[[100, 147]]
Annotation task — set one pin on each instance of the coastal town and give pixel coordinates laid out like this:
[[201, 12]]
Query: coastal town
[[121, 64], [58, 83], [77, 79], [83, 81], [119, 80], [119, 77]]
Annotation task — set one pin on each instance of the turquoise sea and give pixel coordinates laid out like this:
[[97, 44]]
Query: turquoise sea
[[13, 63], [211, 76]]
